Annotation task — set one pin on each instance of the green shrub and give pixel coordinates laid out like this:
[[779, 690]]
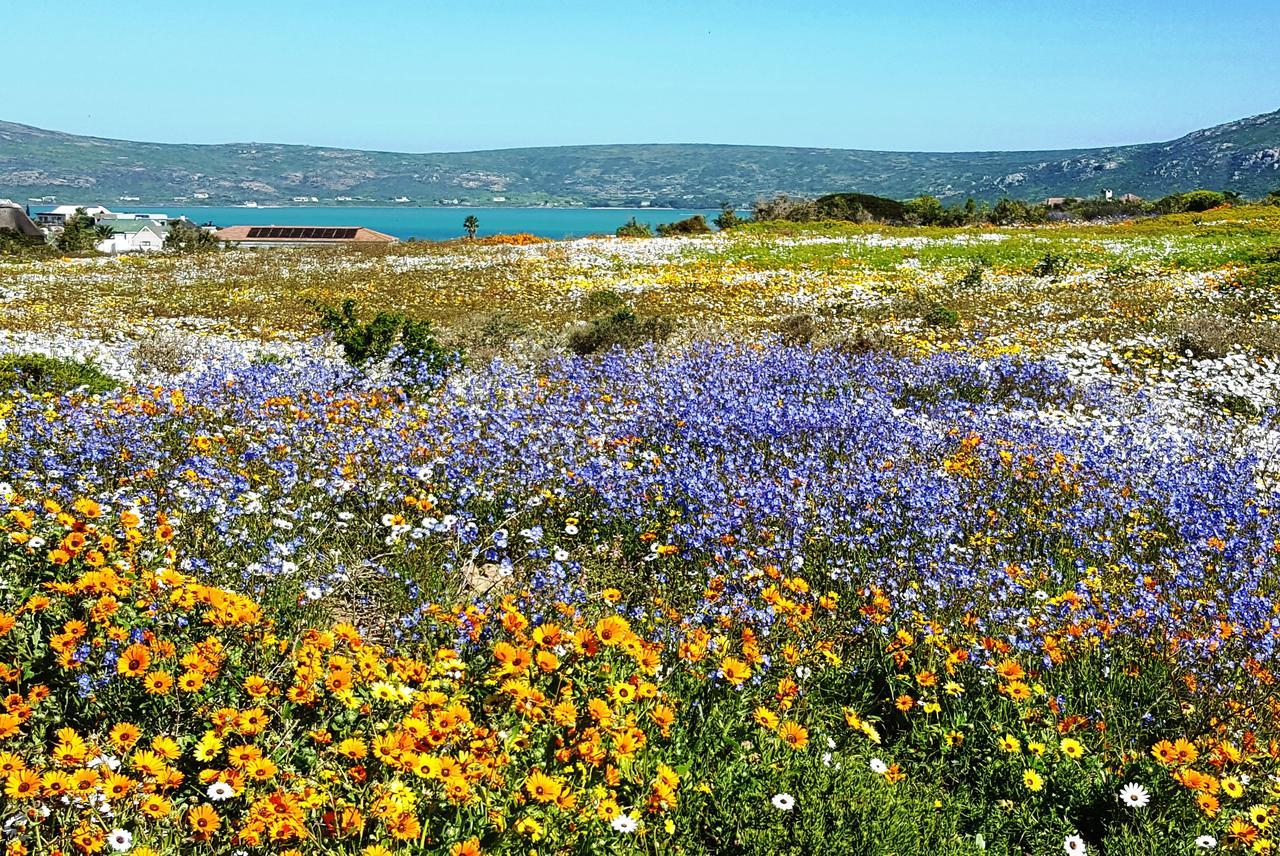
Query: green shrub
[[373, 341], [187, 239], [621, 328], [1051, 265], [38, 374], [634, 229], [695, 225], [14, 244], [973, 276], [1194, 201], [728, 218], [601, 300], [79, 234], [940, 315], [860, 208]]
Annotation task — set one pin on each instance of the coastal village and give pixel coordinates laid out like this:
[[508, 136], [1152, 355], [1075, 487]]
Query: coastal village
[[135, 232]]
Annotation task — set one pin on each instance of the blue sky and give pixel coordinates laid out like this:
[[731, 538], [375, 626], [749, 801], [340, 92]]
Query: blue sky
[[436, 76]]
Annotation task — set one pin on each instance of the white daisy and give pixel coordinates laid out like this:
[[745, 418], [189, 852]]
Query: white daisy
[[1206, 842], [879, 767], [1134, 795], [624, 823], [1073, 844], [783, 802], [120, 840], [220, 791]]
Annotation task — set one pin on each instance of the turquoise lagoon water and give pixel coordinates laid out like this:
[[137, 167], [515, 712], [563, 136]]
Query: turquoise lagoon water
[[436, 224]]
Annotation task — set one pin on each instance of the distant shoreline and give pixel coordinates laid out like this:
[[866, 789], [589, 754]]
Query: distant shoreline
[[136, 205]]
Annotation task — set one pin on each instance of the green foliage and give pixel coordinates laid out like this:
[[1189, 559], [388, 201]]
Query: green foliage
[[1051, 265], [783, 208], [1012, 212], [728, 218], [602, 300], [38, 374], [1195, 201], [621, 328], [940, 315], [79, 234], [186, 239], [374, 340], [973, 276], [860, 208], [634, 229], [471, 224], [695, 225], [13, 245]]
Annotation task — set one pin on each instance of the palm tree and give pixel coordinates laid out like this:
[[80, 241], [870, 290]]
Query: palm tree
[[471, 224]]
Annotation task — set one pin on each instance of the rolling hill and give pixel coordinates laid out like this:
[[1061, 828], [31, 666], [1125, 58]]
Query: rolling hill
[[1243, 156]]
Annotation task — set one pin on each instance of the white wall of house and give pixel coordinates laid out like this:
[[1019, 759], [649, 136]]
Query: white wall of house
[[141, 241]]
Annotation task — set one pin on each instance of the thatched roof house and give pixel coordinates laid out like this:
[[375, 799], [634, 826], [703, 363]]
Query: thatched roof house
[[14, 219]]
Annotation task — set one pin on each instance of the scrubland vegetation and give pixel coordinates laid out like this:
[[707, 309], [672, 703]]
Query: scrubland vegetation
[[800, 537]]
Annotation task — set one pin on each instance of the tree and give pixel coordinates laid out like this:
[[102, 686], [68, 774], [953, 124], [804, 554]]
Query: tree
[[634, 229], [471, 224], [185, 238], [728, 218], [926, 210], [79, 234]]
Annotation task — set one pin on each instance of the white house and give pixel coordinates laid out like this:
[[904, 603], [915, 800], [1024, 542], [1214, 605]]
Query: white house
[[133, 236], [109, 219], [59, 215]]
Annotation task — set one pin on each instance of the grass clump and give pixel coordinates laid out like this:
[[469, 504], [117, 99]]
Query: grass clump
[[39, 375]]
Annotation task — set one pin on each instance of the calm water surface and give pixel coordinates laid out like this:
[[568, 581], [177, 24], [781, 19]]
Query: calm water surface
[[436, 224]]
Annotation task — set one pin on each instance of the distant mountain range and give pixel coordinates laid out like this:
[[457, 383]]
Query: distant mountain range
[[34, 164]]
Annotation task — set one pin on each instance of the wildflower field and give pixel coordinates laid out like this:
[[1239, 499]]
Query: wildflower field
[[902, 541]]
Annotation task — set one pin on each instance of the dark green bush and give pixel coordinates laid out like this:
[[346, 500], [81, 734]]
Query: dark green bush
[[634, 229], [14, 244], [939, 315], [601, 300], [373, 341], [38, 374], [1051, 264], [973, 276], [695, 225], [860, 208], [622, 328], [1194, 201], [188, 239], [728, 218]]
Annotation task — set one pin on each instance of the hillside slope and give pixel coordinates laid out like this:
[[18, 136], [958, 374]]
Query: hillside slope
[[1243, 155]]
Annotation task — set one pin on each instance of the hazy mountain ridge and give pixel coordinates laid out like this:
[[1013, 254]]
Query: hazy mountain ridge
[[1243, 155]]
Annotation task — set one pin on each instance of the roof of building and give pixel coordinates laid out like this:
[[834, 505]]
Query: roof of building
[[14, 218], [128, 226], [68, 210], [304, 234]]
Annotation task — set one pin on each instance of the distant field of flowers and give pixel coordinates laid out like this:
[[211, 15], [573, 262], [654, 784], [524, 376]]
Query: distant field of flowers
[[791, 539]]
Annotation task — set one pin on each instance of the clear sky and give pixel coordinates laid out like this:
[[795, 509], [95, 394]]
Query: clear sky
[[422, 75]]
